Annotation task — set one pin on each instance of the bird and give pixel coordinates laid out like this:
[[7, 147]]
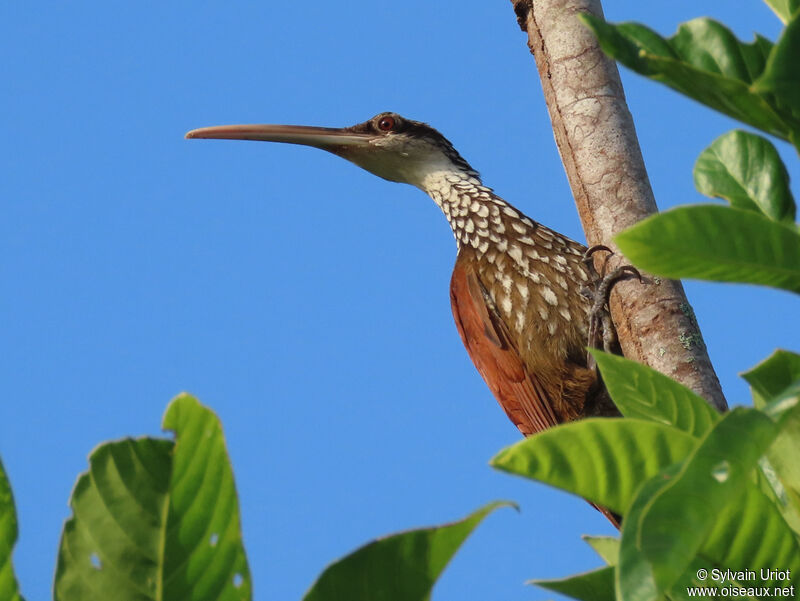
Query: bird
[[518, 290]]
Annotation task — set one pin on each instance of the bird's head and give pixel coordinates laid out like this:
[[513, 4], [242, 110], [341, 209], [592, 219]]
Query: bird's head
[[388, 145]]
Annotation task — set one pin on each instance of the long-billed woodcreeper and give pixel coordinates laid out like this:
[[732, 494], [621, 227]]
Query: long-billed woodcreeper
[[517, 289]]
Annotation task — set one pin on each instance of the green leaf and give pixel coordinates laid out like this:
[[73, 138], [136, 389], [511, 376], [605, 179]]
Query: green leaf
[[153, 519], [633, 577], [772, 376], [785, 406], [774, 384], [690, 510], [400, 567], [746, 170], [597, 585], [748, 535], [783, 8], [785, 497], [780, 80], [782, 468], [704, 61], [602, 460], [607, 547], [641, 392], [689, 579], [9, 589], [204, 556], [115, 533], [711, 242]]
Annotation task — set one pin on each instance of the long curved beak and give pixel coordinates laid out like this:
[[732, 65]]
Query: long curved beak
[[326, 138]]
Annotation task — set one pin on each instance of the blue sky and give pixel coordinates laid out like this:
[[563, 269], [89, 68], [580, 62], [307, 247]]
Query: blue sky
[[302, 299]]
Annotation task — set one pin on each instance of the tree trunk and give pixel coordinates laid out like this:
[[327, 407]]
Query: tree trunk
[[597, 141]]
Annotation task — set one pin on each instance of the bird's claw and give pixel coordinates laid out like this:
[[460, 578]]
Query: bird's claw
[[593, 249], [601, 328]]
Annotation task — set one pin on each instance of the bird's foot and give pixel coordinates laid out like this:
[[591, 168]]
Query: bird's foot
[[601, 329]]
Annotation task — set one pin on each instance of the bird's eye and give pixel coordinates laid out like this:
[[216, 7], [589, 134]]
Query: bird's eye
[[386, 123]]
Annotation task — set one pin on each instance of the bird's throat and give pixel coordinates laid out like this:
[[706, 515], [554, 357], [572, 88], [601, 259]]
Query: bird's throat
[[478, 217]]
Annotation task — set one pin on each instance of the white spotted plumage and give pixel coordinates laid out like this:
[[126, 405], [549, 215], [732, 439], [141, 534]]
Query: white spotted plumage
[[540, 260]]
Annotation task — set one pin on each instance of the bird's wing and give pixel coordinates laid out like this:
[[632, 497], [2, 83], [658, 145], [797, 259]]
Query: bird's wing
[[492, 350]]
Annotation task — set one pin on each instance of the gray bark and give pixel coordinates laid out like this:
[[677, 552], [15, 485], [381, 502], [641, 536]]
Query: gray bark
[[597, 141]]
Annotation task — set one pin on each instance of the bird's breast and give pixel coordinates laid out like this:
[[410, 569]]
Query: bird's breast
[[535, 281]]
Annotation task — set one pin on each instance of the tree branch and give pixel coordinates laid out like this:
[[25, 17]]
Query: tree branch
[[597, 141]]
